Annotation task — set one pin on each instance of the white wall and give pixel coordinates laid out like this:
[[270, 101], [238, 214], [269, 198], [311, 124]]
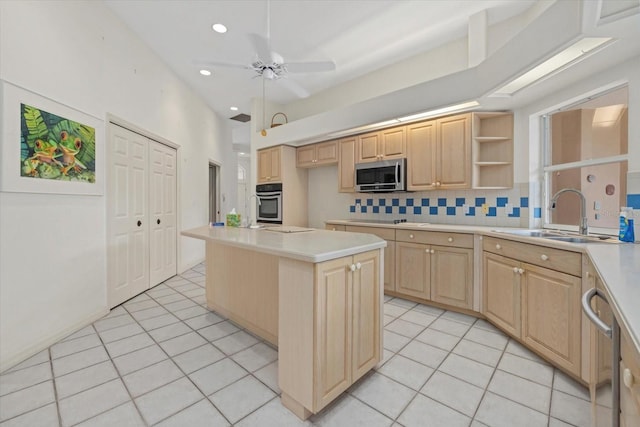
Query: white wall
[[53, 247]]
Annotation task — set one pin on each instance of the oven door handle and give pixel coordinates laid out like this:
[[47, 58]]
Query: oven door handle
[[588, 311]]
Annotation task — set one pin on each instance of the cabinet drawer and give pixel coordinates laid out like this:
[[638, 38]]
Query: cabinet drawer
[[457, 240], [335, 227], [383, 233], [555, 259]]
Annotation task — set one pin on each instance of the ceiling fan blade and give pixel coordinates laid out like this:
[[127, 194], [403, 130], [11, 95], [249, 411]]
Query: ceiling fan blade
[[293, 87], [310, 67], [261, 46], [218, 64]]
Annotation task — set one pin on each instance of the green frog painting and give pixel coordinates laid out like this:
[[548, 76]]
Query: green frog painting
[[53, 147]]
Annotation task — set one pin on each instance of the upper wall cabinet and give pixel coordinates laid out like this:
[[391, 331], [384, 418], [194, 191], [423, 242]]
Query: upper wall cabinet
[[492, 150], [385, 144], [320, 154], [347, 149], [269, 165], [439, 154]]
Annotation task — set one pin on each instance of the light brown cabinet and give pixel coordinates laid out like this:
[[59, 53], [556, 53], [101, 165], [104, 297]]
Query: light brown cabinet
[[540, 306], [347, 165], [348, 304], [269, 165], [389, 235], [629, 383], [435, 266], [386, 144], [492, 150], [413, 267], [439, 154], [320, 154]]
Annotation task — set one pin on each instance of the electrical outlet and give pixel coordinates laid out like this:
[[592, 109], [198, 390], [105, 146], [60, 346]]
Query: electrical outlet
[[485, 209], [596, 205]]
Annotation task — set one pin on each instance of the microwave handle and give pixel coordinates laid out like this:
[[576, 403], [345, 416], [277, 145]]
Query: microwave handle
[[397, 172]]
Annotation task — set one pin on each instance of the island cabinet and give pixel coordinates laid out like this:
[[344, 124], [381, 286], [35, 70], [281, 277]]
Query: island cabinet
[[314, 155], [533, 293], [389, 235], [386, 144], [269, 165], [439, 154], [332, 330], [435, 266], [347, 150]]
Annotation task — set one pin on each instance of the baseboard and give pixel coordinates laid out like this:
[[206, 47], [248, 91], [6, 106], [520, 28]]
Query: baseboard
[[44, 344]]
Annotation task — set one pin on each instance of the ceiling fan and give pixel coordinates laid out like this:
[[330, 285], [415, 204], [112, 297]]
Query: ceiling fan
[[271, 66]]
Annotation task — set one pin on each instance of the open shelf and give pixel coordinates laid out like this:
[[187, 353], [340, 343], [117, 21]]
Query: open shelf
[[492, 150]]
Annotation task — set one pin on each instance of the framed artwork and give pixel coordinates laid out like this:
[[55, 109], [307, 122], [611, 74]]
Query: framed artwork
[[48, 147]]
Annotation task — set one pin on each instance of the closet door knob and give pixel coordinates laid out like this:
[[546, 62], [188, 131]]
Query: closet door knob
[[139, 223], [158, 221]]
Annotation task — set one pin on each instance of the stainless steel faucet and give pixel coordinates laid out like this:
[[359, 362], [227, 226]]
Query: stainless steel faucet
[[259, 204], [583, 207]]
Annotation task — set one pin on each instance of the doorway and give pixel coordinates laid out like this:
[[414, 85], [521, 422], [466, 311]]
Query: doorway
[[214, 191]]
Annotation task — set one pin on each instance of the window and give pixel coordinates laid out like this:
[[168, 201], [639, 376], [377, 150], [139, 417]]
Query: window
[[586, 149]]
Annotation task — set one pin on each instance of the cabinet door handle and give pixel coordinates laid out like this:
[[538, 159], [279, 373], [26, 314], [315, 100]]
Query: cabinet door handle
[[158, 221], [139, 223], [520, 271], [450, 239], [438, 184], [433, 251], [515, 270], [358, 266], [427, 251], [498, 246], [544, 257], [352, 267], [411, 236], [628, 379]]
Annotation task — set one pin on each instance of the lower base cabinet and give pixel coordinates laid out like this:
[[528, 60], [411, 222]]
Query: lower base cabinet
[[538, 305], [331, 336], [348, 319]]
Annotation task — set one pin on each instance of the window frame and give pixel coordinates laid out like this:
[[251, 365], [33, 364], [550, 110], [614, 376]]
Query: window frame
[[548, 169]]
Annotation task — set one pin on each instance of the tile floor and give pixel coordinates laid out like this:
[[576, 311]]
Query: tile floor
[[163, 359]]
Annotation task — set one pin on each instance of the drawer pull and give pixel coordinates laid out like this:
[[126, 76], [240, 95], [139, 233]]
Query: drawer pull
[[498, 246], [544, 257], [450, 239], [411, 236], [627, 377]]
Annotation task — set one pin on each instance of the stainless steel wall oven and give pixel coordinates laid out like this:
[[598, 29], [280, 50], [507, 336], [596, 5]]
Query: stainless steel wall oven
[[269, 207]]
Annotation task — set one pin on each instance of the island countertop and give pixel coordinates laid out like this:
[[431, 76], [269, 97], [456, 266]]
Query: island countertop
[[310, 245]]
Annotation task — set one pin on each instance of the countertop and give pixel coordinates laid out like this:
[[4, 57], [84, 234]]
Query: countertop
[[618, 264], [290, 242]]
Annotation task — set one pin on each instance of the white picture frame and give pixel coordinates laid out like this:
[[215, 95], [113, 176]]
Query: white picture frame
[[10, 161]]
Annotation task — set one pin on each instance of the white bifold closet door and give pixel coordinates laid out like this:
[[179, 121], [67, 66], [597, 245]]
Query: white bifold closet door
[[141, 210]]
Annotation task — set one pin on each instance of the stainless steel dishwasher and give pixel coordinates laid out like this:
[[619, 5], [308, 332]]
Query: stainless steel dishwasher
[[605, 352]]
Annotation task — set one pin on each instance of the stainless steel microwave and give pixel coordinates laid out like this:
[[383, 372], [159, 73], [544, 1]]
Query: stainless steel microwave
[[381, 177]]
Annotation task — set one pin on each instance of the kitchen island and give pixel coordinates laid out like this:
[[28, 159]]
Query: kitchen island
[[315, 294]]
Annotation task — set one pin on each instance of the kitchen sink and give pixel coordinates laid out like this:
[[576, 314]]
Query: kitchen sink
[[572, 239], [558, 236], [530, 233]]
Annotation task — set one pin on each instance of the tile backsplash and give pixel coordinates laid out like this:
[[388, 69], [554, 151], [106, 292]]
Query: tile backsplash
[[507, 208]]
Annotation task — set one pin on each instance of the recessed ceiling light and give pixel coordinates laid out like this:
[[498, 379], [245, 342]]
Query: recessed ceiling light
[[205, 72], [234, 108], [219, 28]]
